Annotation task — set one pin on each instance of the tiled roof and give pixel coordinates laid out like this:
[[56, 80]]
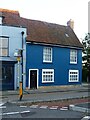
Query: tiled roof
[[42, 32]]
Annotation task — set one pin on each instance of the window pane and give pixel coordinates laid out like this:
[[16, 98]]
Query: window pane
[[47, 75], [3, 52], [73, 56], [73, 75], [3, 46], [3, 42], [47, 54]]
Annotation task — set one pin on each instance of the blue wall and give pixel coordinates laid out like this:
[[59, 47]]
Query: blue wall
[[15, 42], [60, 64]]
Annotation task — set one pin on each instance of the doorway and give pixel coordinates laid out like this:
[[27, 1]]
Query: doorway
[[7, 77], [33, 78]]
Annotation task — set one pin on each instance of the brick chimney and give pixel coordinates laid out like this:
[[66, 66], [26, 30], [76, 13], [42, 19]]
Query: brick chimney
[[70, 23]]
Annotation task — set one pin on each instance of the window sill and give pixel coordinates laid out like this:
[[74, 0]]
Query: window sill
[[73, 81], [73, 63], [47, 81], [47, 61]]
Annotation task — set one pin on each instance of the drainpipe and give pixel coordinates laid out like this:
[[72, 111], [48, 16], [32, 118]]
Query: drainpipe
[[22, 54], [21, 82]]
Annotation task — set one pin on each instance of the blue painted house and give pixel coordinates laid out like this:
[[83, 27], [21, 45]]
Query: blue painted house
[[53, 53]]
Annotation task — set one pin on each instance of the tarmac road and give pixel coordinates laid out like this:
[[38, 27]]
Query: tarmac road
[[10, 110], [50, 94]]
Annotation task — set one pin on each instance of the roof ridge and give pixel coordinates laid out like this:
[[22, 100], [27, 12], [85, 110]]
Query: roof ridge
[[28, 19], [44, 22], [9, 11]]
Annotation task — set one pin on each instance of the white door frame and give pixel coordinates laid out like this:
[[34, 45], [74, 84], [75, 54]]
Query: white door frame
[[29, 77]]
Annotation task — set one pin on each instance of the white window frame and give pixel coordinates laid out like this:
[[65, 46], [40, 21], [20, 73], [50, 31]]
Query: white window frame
[[74, 74], [48, 74], [0, 20], [46, 54], [73, 56], [4, 46]]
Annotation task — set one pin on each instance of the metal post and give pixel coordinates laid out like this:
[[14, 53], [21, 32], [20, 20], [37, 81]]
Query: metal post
[[21, 82], [19, 56], [18, 71]]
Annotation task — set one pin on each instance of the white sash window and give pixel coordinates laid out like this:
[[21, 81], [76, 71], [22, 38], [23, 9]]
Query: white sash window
[[73, 56], [4, 47], [47, 54]]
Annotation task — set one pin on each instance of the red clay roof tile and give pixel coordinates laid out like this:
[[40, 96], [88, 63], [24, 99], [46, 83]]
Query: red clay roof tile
[[42, 32]]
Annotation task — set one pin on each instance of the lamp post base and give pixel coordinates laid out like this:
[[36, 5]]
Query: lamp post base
[[20, 91]]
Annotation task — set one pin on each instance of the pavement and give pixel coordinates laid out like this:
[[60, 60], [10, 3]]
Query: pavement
[[50, 93], [48, 89]]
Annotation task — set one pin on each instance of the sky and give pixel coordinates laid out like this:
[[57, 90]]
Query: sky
[[53, 11]]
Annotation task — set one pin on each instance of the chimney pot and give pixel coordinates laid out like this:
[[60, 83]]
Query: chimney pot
[[70, 23]]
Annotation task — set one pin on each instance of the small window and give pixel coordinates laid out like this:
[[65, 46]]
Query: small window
[[47, 54], [66, 35], [47, 75], [73, 75], [4, 46], [73, 56]]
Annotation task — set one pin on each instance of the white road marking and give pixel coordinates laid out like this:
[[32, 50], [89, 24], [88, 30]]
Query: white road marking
[[23, 106], [2, 104], [54, 107], [33, 106], [86, 118], [25, 111], [2, 107], [44, 107], [10, 113], [63, 108]]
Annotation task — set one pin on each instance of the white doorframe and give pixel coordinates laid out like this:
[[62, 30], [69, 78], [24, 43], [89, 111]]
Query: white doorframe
[[37, 77]]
